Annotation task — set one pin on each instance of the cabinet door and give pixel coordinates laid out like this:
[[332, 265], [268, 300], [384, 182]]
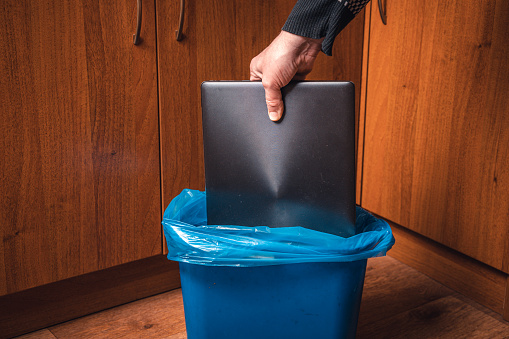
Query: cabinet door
[[79, 142], [436, 153], [220, 39]]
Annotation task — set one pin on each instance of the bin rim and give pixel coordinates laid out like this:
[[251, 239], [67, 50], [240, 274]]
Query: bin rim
[[191, 240]]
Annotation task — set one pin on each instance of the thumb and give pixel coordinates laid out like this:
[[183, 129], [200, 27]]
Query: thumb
[[274, 101]]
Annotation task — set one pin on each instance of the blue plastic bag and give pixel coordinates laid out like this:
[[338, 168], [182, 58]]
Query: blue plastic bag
[[191, 240]]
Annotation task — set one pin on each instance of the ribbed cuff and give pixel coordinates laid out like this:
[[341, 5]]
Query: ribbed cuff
[[339, 20], [317, 19]]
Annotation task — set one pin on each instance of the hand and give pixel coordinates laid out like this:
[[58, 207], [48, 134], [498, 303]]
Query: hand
[[288, 57]]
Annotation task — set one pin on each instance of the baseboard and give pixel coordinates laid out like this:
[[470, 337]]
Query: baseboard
[[478, 281], [505, 315], [47, 305]]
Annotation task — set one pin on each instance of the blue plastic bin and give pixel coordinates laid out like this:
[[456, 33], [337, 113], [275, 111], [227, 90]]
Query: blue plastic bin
[[312, 300], [259, 282]]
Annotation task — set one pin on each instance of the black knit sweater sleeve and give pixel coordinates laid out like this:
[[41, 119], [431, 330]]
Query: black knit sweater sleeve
[[322, 18]]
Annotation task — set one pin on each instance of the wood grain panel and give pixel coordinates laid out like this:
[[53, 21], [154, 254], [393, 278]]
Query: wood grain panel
[[180, 119], [67, 299], [437, 123], [457, 271], [221, 38], [79, 152]]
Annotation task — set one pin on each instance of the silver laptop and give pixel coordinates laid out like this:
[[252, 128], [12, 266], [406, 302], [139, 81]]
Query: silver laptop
[[299, 171]]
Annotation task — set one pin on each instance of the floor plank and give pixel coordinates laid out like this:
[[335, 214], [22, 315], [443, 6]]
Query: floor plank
[[481, 308], [181, 335], [397, 302], [463, 274], [157, 317], [391, 287], [42, 334], [447, 317]]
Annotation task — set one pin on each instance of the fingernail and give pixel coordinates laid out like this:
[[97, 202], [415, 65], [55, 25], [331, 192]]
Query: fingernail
[[273, 116]]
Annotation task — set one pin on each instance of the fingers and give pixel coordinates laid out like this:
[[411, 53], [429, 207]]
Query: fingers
[[274, 100], [254, 72], [254, 77], [273, 95]]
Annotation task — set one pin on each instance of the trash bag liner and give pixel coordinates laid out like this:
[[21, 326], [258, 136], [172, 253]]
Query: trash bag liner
[[191, 240]]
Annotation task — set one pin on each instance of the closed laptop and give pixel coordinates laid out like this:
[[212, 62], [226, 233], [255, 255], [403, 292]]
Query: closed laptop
[[299, 171]]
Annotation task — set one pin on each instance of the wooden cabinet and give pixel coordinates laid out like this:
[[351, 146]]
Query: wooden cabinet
[[79, 141], [436, 130]]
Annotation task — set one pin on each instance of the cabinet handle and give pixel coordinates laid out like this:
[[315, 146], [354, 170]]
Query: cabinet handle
[[178, 33], [382, 12], [136, 37]]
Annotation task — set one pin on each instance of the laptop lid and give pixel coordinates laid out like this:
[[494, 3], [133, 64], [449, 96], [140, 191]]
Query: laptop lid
[[299, 171]]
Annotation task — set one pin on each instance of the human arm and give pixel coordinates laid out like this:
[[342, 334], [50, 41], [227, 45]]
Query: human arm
[[312, 26]]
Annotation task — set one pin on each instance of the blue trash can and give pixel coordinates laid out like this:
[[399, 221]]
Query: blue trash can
[[257, 282], [312, 300]]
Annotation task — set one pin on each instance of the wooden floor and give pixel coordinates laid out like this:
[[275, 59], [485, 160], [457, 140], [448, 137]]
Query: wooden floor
[[397, 302]]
